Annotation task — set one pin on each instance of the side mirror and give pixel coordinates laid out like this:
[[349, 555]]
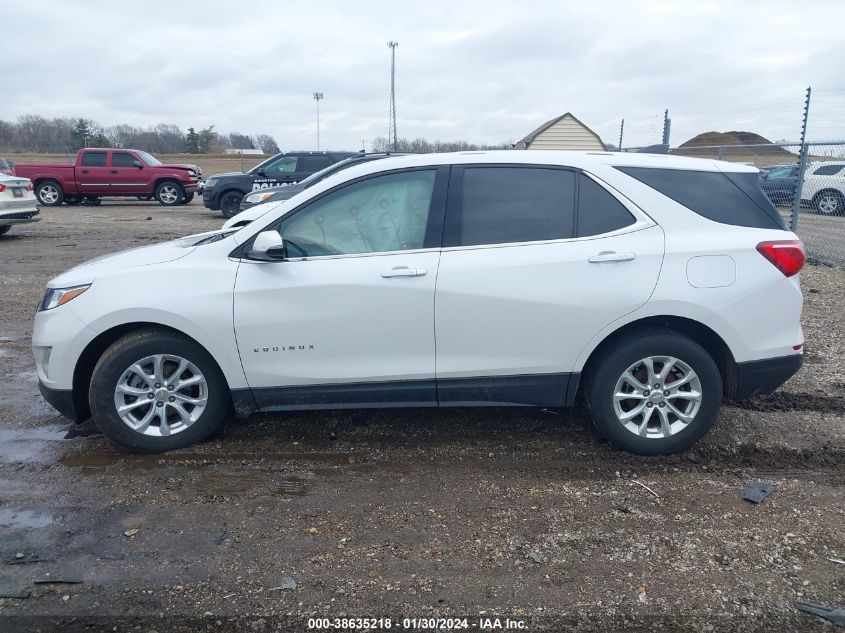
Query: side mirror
[[268, 246], [138, 164], [261, 172]]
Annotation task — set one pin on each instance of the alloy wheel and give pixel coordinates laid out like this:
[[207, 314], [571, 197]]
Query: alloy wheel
[[48, 194], [161, 395], [829, 204], [657, 397], [169, 194]]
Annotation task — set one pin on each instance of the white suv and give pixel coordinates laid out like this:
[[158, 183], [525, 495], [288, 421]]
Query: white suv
[[655, 285], [824, 187]]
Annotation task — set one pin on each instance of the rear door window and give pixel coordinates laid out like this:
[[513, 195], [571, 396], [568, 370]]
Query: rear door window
[[598, 210], [501, 205], [313, 163], [828, 170], [728, 198], [94, 159]]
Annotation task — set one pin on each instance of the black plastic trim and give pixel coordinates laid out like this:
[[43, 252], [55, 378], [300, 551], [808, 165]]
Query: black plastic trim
[[529, 390], [61, 400], [764, 376], [400, 393]]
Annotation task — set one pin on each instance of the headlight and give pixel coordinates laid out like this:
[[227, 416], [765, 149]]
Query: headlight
[[210, 182], [55, 297], [255, 198]]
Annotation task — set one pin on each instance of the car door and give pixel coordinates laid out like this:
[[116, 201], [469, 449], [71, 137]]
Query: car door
[[535, 262], [127, 174], [92, 173], [347, 319]]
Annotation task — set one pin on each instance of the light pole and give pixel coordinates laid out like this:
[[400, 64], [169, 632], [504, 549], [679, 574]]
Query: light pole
[[317, 97], [391, 132]]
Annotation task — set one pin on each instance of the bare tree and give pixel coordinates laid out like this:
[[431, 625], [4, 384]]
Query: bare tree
[[267, 144]]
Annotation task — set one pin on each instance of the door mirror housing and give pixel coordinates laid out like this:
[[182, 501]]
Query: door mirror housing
[[268, 246], [260, 172], [138, 164]]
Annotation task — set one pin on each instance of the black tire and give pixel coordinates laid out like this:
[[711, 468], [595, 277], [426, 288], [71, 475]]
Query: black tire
[[134, 347], [5, 229], [230, 203], [829, 202], [169, 193], [188, 197], [603, 374], [53, 192]]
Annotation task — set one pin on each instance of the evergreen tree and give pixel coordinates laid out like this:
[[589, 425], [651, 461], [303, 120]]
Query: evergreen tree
[[192, 141], [206, 137], [80, 134]]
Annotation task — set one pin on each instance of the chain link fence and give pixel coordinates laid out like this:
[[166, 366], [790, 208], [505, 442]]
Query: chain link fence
[[810, 194]]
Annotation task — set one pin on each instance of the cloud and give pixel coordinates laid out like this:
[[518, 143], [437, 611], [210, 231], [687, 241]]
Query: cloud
[[479, 71]]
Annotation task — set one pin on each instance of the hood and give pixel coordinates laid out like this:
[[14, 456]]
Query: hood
[[179, 166], [227, 174], [170, 251]]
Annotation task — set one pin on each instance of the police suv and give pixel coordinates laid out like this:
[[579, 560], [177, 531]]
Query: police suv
[[224, 191]]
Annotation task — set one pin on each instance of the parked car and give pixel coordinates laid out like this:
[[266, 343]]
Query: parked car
[[111, 172], [283, 192], [779, 184], [515, 278], [824, 187], [224, 192], [17, 202], [6, 166]]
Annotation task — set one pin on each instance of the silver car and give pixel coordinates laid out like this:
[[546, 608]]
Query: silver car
[[18, 204]]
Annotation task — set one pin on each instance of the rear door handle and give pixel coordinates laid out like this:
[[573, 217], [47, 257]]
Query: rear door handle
[[611, 256], [404, 271]]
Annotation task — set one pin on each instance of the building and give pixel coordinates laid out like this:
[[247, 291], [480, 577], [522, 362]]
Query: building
[[563, 132], [244, 152]]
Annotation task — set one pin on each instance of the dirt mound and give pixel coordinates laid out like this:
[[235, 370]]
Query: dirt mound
[[695, 145]]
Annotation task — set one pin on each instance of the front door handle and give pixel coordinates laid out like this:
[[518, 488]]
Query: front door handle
[[611, 256], [113, 171], [404, 271]]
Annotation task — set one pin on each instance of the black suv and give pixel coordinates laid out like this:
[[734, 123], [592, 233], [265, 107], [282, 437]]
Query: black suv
[[225, 191]]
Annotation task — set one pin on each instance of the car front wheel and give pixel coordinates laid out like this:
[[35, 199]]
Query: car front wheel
[[655, 394], [154, 391], [230, 203], [169, 193]]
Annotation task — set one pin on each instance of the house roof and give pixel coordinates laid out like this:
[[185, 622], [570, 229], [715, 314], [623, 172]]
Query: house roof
[[533, 135]]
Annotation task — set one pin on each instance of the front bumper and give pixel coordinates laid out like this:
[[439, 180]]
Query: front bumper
[[61, 400], [764, 376], [209, 200]]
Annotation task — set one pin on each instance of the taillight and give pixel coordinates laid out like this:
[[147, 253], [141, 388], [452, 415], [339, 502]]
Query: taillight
[[30, 187], [2, 188], [786, 255]]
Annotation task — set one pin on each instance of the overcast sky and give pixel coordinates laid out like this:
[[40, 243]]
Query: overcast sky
[[486, 71]]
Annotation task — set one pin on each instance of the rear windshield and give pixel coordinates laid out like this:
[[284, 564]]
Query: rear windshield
[[728, 198]]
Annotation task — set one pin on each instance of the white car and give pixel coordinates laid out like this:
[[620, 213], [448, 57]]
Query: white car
[[657, 285], [17, 202], [824, 187]]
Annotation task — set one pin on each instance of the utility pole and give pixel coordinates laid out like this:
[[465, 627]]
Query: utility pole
[[317, 97], [391, 132], [802, 166], [621, 129]]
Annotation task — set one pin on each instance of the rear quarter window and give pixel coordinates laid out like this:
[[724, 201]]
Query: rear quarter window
[[724, 197]]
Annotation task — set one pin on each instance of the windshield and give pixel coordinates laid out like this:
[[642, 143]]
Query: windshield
[[151, 160]]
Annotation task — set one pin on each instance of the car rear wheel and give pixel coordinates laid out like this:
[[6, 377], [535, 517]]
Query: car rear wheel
[[49, 193], [169, 193], [154, 391], [4, 229], [230, 203], [654, 394], [829, 203]]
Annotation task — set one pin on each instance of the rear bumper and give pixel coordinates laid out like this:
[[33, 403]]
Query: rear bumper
[[61, 400], [764, 376], [20, 215]]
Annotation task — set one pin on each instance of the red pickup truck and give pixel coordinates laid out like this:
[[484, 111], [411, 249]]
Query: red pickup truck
[[111, 172]]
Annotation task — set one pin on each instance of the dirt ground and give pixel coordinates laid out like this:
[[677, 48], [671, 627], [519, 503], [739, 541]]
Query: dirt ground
[[516, 514]]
